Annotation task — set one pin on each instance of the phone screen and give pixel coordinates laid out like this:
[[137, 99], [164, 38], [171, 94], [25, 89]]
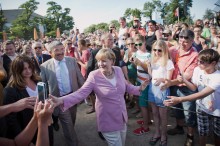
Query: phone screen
[[41, 92]]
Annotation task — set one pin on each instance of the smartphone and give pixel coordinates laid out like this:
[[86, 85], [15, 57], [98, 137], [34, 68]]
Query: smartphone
[[42, 91], [110, 30]]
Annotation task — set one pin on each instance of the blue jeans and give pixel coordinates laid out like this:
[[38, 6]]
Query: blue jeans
[[190, 117]]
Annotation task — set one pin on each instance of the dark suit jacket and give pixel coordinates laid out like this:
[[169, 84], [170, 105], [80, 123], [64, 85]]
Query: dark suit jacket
[[37, 64], [92, 63], [6, 64], [16, 122]]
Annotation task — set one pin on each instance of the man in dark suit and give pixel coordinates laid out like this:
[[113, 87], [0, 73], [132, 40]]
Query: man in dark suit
[[39, 57], [8, 56]]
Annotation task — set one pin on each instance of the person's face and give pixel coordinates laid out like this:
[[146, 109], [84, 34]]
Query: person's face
[[38, 50], [28, 50], [10, 50], [109, 41], [151, 27], [122, 23], [158, 51], [139, 45], [185, 42], [213, 30], [58, 52], [27, 71], [197, 31], [105, 64], [136, 23], [69, 43], [166, 36], [205, 66], [130, 45]]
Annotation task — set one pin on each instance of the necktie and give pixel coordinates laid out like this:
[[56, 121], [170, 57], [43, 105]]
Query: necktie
[[40, 60], [64, 79]]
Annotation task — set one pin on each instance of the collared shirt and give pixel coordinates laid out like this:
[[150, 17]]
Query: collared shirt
[[184, 63], [58, 75]]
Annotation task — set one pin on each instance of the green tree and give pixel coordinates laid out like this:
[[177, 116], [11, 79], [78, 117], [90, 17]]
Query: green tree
[[209, 14], [184, 11], [130, 13], [23, 26], [150, 7], [2, 20], [56, 17]]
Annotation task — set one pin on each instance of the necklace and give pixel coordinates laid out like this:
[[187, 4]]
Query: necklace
[[109, 74]]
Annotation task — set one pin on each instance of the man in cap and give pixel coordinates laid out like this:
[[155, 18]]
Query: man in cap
[[136, 28]]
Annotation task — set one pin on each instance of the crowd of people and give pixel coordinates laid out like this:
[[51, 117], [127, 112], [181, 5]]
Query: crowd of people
[[148, 68]]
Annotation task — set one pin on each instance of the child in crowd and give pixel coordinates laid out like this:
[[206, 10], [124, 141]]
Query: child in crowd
[[206, 80], [160, 68]]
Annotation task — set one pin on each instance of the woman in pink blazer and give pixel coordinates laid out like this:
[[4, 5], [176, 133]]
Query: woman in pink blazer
[[109, 85]]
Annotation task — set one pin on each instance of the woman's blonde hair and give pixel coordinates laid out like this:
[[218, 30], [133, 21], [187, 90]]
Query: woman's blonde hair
[[165, 53], [105, 54]]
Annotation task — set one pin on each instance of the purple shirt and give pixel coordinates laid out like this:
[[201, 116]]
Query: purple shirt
[[111, 112]]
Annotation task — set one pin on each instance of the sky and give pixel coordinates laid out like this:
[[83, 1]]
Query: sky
[[87, 12]]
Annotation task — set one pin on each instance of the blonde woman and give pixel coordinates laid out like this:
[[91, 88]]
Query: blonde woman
[[160, 68]]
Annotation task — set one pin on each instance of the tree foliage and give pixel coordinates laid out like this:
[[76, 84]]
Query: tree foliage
[[184, 11], [23, 26], [57, 17], [150, 7], [209, 14]]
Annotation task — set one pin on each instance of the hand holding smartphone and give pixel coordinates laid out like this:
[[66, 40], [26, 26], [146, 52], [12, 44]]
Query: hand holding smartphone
[[42, 91]]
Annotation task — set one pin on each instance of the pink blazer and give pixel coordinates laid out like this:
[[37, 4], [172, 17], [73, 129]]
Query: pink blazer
[[111, 112]]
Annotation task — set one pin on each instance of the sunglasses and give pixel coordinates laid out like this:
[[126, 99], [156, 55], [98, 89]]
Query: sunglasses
[[69, 44], [130, 44], [166, 35], [185, 37], [123, 38], [37, 48], [157, 50], [140, 44]]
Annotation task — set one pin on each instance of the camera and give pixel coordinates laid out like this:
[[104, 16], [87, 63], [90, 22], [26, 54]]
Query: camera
[[110, 30], [135, 26], [42, 91]]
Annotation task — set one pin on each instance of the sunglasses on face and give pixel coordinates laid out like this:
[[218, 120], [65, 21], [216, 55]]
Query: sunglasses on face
[[140, 44], [185, 37], [37, 48], [166, 35], [130, 44], [123, 38], [157, 50], [69, 44]]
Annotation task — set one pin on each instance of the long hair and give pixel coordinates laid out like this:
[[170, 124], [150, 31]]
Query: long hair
[[16, 69], [165, 53]]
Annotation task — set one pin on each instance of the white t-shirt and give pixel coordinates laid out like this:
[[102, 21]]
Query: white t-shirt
[[159, 71], [112, 81], [32, 92], [211, 103]]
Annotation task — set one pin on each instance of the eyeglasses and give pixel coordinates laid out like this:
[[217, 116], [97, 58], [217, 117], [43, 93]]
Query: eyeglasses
[[130, 44], [166, 35], [37, 48], [157, 50], [185, 37], [140, 44], [69, 44]]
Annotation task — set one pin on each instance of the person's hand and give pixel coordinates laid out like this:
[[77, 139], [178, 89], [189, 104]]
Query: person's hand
[[144, 84], [158, 81], [137, 61], [24, 103], [173, 100], [166, 84], [44, 112], [180, 78], [56, 101]]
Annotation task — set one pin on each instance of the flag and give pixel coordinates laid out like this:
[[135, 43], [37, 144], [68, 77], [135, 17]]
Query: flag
[[58, 33], [35, 34], [4, 36], [176, 13]]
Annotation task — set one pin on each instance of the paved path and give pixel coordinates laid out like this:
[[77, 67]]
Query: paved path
[[87, 133]]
